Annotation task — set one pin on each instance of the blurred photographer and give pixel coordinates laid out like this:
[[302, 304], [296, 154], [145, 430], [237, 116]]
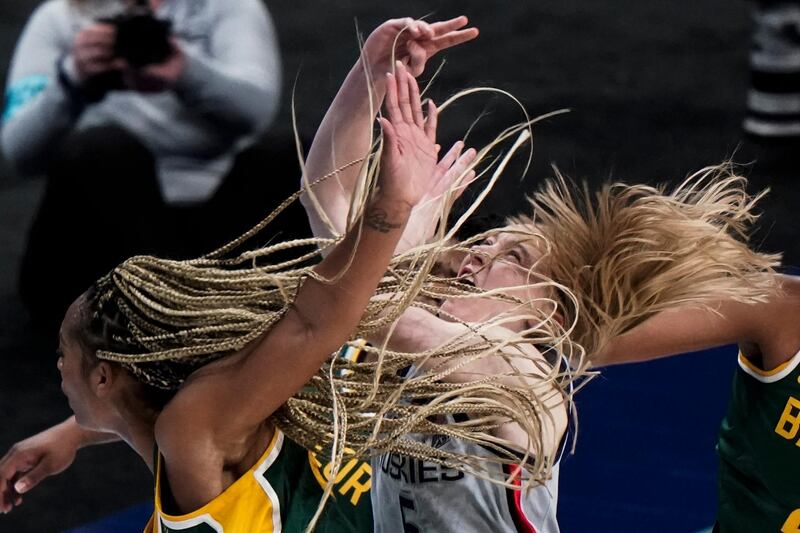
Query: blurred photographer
[[139, 113]]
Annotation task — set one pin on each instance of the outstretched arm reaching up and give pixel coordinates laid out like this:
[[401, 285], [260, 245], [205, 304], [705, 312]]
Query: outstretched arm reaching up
[[345, 132], [323, 315]]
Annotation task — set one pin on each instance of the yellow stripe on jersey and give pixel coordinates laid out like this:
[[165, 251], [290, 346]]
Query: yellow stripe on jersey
[[772, 375], [761, 371], [249, 504]]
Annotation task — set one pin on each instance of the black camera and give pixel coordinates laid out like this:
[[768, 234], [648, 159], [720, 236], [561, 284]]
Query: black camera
[[142, 39]]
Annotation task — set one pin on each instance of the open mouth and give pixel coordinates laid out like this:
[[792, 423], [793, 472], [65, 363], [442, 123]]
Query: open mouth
[[466, 278]]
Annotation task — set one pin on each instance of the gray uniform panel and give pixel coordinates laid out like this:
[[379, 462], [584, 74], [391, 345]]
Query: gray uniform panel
[[410, 496]]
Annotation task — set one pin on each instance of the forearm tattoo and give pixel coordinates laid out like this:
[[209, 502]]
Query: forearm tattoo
[[376, 218]]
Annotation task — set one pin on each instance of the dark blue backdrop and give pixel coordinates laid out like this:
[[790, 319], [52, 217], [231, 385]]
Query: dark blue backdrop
[[645, 459]]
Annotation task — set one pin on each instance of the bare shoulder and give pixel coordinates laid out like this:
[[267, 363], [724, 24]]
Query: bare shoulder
[[182, 427], [512, 343], [192, 449], [783, 310], [526, 366], [791, 286], [785, 317], [194, 410]]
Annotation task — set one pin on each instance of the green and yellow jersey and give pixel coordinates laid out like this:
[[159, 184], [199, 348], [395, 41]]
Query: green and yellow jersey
[[759, 451], [279, 494]]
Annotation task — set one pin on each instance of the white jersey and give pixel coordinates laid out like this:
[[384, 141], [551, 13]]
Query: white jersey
[[415, 496]]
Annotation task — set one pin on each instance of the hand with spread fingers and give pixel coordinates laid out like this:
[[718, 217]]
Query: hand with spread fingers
[[413, 42], [30, 461], [453, 175], [348, 123], [409, 159]]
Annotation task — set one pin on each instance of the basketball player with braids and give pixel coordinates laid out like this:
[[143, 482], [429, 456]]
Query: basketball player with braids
[[238, 342], [616, 251]]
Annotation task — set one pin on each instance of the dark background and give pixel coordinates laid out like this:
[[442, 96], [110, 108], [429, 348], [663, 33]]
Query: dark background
[[656, 90]]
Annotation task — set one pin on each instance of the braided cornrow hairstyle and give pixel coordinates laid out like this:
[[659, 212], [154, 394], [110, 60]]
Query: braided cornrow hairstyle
[[162, 319], [102, 326]]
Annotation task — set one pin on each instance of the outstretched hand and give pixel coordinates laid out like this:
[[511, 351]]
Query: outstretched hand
[[451, 178], [408, 160], [29, 461], [414, 42]]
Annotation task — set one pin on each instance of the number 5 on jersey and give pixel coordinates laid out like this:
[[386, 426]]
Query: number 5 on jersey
[[407, 505]]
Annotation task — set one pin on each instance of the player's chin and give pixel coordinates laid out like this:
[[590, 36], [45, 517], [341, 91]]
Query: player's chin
[[459, 309]]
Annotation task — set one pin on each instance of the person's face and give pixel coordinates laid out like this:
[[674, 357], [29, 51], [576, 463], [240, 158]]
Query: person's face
[[86, 389], [504, 259]]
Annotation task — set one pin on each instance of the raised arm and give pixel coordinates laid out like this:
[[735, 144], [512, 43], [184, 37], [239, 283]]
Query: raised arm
[[344, 134], [769, 328], [324, 314]]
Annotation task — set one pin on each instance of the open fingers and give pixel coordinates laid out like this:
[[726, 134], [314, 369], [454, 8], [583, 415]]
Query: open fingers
[[455, 38], [432, 121], [464, 161], [403, 95], [416, 58], [450, 157], [415, 101], [423, 30], [444, 26], [389, 134], [457, 177], [465, 182], [392, 108]]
